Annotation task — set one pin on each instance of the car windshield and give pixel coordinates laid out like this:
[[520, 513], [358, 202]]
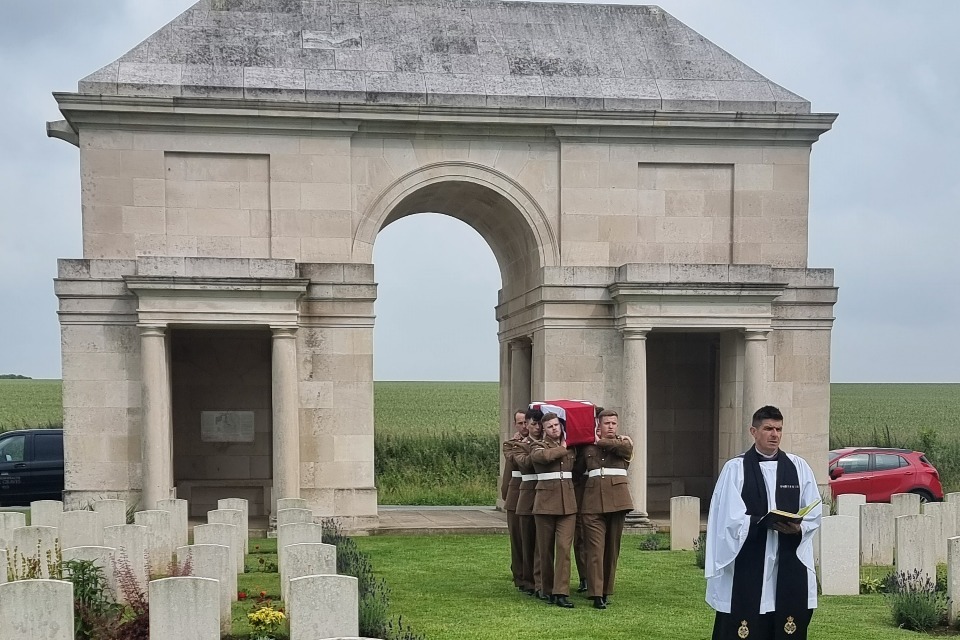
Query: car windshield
[[833, 455]]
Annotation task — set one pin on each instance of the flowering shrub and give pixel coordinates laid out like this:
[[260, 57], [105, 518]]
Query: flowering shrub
[[266, 621]]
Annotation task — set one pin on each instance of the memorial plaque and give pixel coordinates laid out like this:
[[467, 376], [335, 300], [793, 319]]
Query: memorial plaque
[[226, 426]]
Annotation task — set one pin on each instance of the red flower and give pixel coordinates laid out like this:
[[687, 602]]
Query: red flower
[[241, 595], [263, 594]]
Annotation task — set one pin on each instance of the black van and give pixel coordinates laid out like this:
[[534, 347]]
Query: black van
[[31, 466]]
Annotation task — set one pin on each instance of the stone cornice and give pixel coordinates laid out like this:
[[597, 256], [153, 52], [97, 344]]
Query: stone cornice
[[287, 287], [230, 115]]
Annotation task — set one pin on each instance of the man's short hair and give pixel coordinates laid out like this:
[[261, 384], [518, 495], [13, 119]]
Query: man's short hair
[[520, 410], [534, 414], [550, 416], [607, 413], [766, 413]]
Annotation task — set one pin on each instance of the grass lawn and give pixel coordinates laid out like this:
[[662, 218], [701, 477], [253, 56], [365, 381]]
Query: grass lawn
[[459, 588]]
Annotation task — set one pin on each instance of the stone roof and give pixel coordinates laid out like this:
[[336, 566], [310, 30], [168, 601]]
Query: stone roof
[[461, 53]]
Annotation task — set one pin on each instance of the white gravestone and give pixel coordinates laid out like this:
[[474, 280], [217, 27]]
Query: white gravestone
[[291, 503], [45, 513], [81, 529], [129, 542], [178, 519], [876, 534], [217, 562], [323, 607], [3, 565], [114, 512], [306, 559], [160, 538], [296, 533], [953, 581], [905, 504], [840, 556], [684, 522], [184, 608], [243, 505], [938, 539], [293, 516], [951, 514], [35, 609], [916, 550], [234, 517], [223, 534], [102, 557], [32, 550], [848, 504], [10, 520]]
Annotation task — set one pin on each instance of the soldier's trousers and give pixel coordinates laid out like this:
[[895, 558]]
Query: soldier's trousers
[[554, 539], [601, 541]]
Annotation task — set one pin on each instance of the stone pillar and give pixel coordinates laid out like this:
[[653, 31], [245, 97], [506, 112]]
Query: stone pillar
[[520, 353], [286, 415], [633, 419], [157, 438], [754, 378]]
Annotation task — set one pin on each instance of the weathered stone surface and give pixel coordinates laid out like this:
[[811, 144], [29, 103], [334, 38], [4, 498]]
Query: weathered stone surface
[[953, 580], [306, 559], [114, 512], [45, 513], [219, 563], [840, 556], [848, 504], [130, 542], [942, 522], [219, 533], [232, 517], [323, 607], [877, 534], [81, 529], [293, 516], [36, 609], [184, 609], [34, 544], [178, 510], [905, 504], [684, 522], [916, 546], [500, 54], [102, 557], [291, 503], [243, 505], [296, 533], [160, 538]]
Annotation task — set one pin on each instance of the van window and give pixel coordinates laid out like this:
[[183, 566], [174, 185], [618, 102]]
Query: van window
[[11, 449], [47, 446]]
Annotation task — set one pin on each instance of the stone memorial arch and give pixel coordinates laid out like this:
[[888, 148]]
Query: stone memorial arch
[[644, 192]]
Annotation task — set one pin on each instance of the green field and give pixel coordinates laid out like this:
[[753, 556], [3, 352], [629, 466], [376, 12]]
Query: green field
[[437, 442], [459, 588]]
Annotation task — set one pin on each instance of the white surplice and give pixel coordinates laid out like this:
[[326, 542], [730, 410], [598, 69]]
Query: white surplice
[[728, 524]]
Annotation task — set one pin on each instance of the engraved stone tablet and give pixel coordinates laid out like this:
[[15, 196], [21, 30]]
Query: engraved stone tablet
[[226, 426]]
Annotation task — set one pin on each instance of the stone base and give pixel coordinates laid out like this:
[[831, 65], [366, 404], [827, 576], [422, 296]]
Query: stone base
[[84, 499]]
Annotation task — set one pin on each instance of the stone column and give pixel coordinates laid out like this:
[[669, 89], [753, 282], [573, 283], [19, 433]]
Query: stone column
[[286, 415], [754, 378], [633, 418], [156, 434], [520, 353]]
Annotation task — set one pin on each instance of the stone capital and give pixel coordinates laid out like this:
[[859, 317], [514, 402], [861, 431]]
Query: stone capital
[[284, 332], [633, 333], [755, 334], [152, 330], [519, 345]]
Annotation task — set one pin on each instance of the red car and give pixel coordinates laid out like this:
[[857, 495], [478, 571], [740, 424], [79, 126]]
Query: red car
[[879, 473]]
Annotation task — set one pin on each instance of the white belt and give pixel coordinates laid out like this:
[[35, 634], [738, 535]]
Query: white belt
[[527, 477], [606, 471], [555, 475], [516, 474]]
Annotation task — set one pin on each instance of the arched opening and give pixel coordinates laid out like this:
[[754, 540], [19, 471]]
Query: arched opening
[[436, 321]]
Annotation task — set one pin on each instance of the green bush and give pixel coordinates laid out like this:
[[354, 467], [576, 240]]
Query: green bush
[[655, 542], [915, 603], [95, 613], [700, 546]]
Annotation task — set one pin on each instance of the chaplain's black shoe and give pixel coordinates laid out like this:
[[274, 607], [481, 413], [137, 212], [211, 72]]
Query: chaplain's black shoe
[[582, 586], [562, 601], [598, 602]]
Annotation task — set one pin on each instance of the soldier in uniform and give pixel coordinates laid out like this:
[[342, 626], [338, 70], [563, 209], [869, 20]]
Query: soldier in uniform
[[554, 509], [605, 504], [509, 486], [528, 485]]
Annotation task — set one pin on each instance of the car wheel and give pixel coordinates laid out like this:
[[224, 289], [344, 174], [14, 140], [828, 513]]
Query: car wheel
[[925, 496]]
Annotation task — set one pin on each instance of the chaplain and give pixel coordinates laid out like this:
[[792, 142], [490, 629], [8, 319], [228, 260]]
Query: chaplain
[[760, 577]]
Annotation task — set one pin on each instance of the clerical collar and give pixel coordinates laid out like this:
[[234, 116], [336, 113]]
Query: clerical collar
[[766, 457]]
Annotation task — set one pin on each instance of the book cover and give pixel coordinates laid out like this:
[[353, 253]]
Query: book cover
[[776, 515]]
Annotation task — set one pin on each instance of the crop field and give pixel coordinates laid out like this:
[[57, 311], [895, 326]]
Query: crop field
[[437, 442]]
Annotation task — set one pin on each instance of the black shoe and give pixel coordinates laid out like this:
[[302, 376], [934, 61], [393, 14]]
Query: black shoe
[[606, 599], [598, 602], [582, 586], [540, 595], [563, 602], [551, 599], [529, 592]]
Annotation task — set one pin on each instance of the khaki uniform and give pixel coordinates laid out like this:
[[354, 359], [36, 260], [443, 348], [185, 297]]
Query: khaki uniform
[[555, 512], [528, 526], [509, 492], [606, 501], [579, 480]]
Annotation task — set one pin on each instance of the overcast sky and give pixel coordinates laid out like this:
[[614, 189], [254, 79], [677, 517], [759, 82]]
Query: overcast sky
[[885, 185]]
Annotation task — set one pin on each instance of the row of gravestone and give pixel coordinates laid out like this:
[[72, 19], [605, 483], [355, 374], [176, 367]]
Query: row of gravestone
[[911, 535], [159, 536]]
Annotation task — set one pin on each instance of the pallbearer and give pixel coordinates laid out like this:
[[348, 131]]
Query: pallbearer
[[555, 509], [528, 485], [605, 504], [509, 486]]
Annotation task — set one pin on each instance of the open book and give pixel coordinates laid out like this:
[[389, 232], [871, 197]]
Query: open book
[[775, 515]]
